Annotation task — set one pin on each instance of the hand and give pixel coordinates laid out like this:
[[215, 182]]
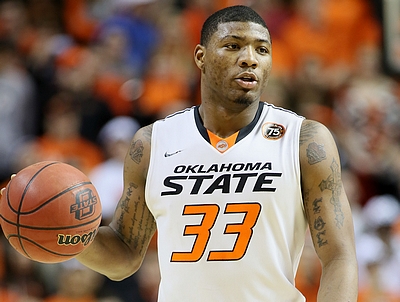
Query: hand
[[3, 189]]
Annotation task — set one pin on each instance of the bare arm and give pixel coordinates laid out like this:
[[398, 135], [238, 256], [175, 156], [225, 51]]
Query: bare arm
[[118, 249], [328, 212]]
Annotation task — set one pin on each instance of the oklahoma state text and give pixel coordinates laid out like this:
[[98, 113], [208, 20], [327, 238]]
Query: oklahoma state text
[[235, 177]]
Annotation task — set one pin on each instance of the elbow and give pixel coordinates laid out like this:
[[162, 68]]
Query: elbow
[[123, 271]]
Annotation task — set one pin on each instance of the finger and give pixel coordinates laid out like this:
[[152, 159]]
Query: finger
[[2, 190]]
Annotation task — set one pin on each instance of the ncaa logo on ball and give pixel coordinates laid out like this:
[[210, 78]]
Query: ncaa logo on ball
[[84, 206]]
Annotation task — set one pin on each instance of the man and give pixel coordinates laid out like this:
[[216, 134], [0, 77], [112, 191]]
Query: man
[[230, 186]]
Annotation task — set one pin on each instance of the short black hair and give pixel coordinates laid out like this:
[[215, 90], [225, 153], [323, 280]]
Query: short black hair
[[236, 13]]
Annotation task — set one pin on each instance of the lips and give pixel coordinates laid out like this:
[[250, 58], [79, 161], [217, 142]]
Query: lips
[[247, 80]]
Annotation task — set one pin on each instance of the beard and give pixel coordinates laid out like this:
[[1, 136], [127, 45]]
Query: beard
[[244, 100]]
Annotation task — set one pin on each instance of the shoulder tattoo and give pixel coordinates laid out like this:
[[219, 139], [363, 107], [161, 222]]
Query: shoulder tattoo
[[136, 151], [308, 130], [147, 131], [137, 147], [315, 153]]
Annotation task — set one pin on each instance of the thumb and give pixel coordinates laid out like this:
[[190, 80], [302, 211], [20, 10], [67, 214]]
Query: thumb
[[3, 189]]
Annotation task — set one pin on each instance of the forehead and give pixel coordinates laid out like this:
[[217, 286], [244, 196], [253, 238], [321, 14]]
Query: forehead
[[248, 30]]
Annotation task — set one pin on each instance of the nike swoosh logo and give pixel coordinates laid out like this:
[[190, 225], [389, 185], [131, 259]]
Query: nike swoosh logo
[[166, 154]]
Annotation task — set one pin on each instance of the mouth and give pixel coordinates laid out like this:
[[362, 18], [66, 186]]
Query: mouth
[[247, 80]]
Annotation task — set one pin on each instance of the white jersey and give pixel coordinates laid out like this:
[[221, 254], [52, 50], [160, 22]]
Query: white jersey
[[231, 225]]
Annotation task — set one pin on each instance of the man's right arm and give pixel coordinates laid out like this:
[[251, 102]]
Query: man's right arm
[[119, 248]]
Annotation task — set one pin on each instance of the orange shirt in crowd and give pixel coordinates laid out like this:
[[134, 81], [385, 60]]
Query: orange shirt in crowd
[[77, 22], [76, 151], [342, 27]]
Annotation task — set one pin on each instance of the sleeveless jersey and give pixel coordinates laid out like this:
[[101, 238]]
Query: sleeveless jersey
[[231, 225]]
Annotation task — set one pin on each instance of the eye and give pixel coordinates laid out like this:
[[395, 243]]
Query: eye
[[263, 50], [232, 46]]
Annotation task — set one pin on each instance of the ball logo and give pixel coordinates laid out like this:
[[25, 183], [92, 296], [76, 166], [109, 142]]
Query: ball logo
[[273, 131], [84, 205], [85, 239]]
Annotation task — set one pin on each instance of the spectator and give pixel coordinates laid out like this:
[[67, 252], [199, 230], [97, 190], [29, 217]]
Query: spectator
[[115, 138], [61, 139], [17, 114], [378, 250]]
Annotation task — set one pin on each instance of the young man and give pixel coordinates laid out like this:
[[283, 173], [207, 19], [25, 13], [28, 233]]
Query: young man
[[231, 186]]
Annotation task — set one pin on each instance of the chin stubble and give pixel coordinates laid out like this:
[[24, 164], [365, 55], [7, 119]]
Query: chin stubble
[[243, 100]]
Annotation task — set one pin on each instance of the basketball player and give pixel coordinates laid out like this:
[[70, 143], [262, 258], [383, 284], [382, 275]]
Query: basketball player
[[231, 186]]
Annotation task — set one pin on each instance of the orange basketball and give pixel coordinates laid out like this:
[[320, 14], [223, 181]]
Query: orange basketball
[[50, 212]]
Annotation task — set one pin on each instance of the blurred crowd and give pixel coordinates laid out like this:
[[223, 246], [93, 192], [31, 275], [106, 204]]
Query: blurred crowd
[[79, 77]]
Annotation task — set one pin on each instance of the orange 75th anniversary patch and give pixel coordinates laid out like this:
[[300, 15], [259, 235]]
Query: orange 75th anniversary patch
[[273, 131]]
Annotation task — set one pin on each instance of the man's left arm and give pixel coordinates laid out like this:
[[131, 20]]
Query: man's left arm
[[328, 213]]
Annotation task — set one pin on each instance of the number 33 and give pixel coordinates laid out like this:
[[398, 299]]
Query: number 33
[[244, 231]]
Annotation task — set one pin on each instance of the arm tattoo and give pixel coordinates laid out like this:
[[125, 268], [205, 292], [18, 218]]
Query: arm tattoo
[[319, 225], [333, 183], [315, 153], [308, 130], [320, 238], [124, 205], [316, 206], [136, 151], [140, 221], [147, 131]]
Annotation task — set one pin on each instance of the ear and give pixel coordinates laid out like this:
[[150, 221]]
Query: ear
[[199, 55]]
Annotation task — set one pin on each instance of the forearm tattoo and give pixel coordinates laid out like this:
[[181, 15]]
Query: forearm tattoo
[[333, 183], [140, 221], [124, 206]]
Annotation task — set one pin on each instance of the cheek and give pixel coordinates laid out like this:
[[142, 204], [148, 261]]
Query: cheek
[[267, 72], [216, 70]]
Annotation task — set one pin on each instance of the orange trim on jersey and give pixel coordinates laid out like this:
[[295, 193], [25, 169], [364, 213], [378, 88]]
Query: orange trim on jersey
[[216, 141]]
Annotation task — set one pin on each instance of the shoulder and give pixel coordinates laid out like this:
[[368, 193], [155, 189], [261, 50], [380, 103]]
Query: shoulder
[[318, 150], [137, 157], [312, 130], [145, 133]]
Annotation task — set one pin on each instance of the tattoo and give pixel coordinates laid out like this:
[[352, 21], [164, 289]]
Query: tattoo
[[308, 130], [141, 223], [319, 225], [321, 241], [144, 227], [316, 207], [124, 206], [315, 153], [136, 151], [333, 184], [147, 131]]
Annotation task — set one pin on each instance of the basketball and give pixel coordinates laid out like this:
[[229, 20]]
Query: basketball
[[50, 212]]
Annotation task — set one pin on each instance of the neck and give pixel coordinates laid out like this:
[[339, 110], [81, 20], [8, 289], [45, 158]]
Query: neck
[[224, 121]]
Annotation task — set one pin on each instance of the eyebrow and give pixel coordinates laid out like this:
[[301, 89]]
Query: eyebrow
[[243, 38]]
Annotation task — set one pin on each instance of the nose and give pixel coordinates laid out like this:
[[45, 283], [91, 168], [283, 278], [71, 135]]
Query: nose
[[248, 58]]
